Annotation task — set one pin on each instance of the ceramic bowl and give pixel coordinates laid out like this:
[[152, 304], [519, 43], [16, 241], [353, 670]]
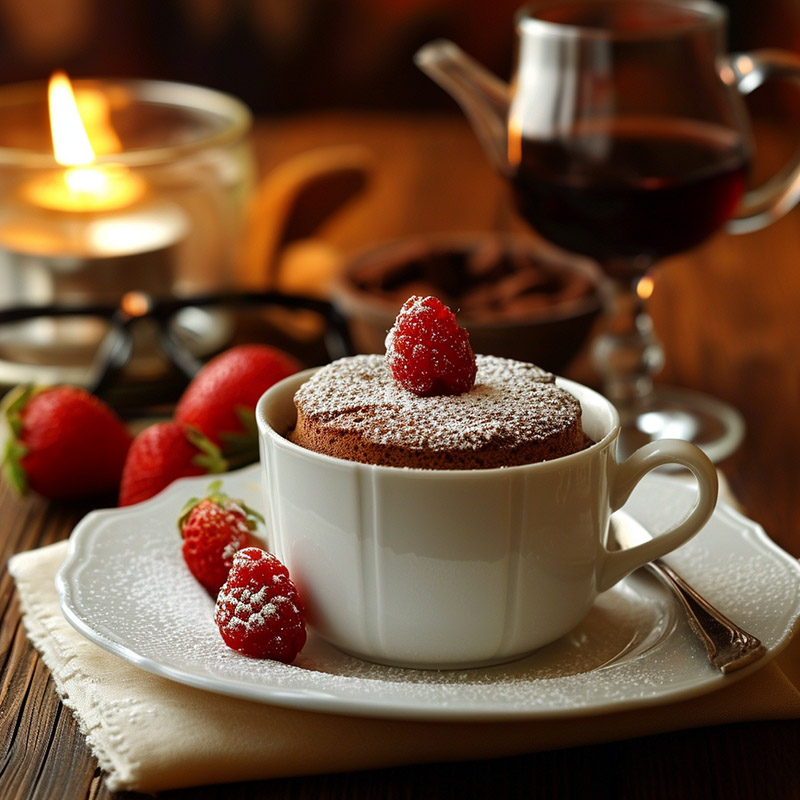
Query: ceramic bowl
[[518, 297]]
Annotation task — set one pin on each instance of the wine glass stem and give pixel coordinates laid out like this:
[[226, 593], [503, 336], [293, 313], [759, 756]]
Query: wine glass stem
[[627, 353]]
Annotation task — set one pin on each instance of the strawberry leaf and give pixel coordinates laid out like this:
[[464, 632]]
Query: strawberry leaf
[[13, 453], [210, 456], [14, 449], [247, 417], [14, 403], [186, 510], [241, 447]]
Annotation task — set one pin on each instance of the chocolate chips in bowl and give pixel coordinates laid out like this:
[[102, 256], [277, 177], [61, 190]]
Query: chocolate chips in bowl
[[518, 297]]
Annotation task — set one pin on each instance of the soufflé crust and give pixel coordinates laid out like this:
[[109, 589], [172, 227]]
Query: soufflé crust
[[514, 414]]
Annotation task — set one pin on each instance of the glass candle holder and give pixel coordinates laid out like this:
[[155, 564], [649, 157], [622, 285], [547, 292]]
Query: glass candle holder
[[160, 208]]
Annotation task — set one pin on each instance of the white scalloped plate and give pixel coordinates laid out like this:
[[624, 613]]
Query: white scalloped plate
[[125, 587]]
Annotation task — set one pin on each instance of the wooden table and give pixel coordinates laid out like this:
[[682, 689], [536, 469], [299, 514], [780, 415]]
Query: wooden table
[[727, 315]]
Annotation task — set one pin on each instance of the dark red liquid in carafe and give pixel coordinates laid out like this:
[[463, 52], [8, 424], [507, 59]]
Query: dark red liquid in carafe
[[619, 194]]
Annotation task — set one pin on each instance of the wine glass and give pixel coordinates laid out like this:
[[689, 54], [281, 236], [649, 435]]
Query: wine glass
[[625, 138]]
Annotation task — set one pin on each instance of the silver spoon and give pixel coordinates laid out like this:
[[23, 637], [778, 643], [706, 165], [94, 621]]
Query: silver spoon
[[728, 647]]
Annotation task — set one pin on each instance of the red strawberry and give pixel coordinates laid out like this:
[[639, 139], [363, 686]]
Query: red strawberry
[[221, 398], [213, 529], [427, 352], [64, 443], [160, 454], [258, 610]]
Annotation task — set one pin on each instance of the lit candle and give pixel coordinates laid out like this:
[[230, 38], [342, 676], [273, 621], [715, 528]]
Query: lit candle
[[86, 230], [82, 232], [81, 187], [151, 198]]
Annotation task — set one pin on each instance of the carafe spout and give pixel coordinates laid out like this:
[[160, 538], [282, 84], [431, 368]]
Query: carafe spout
[[483, 97]]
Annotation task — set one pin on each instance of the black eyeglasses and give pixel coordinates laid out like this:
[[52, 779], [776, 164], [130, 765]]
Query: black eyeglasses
[[183, 330]]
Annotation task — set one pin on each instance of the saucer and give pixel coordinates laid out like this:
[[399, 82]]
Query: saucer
[[125, 587]]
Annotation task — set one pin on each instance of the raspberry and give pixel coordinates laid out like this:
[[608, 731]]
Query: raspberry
[[213, 529], [427, 352], [258, 610]]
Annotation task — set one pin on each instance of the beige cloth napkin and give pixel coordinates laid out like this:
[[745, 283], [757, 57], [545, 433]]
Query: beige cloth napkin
[[150, 734]]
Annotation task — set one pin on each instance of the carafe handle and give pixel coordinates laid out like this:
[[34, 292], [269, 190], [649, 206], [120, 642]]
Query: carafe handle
[[767, 203]]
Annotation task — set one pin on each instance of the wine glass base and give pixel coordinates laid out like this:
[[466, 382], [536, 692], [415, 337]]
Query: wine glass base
[[714, 426]]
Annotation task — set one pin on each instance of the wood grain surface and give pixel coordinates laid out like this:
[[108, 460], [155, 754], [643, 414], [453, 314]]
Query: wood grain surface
[[727, 314]]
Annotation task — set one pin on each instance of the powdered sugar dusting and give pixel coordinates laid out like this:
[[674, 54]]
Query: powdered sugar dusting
[[257, 609], [251, 609], [511, 403]]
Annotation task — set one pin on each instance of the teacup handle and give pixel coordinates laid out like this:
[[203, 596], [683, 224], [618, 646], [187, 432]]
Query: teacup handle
[[765, 204], [616, 565]]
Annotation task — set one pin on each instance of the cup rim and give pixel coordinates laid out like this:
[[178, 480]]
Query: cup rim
[[709, 14], [237, 117], [267, 429]]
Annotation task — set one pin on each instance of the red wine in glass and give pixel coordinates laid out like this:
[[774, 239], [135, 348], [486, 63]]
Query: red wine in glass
[[631, 189], [625, 136]]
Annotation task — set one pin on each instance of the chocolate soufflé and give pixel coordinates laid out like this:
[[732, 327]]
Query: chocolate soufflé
[[514, 414]]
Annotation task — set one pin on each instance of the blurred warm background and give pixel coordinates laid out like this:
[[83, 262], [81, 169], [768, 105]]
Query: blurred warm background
[[290, 55], [277, 55]]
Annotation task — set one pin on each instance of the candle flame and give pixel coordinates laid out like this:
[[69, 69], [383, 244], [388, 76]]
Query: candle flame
[[71, 145], [94, 107], [83, 186]]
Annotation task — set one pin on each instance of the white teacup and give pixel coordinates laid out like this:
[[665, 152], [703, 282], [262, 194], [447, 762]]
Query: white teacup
[[458, 568]]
